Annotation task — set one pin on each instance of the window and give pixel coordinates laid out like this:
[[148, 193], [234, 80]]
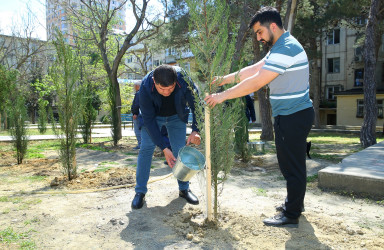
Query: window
[[130, 59], [334, 65], [156, 63], [173, 51], [361, 20], [330, 92], [360, 108], [359, 77], [334, 37]]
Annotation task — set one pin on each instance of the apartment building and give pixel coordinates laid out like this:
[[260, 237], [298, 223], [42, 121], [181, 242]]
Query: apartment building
[[342, 80], [57, 16], [141, 59]]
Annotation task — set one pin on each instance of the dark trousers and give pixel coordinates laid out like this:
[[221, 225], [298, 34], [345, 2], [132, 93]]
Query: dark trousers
[[291, 132]]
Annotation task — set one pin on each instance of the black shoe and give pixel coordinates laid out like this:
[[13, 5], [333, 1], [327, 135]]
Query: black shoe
[[280, 220], [281, 208], [189, 196], [138, 201]]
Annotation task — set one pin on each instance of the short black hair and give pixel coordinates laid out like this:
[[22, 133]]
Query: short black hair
[[267, 15], [165, 75]]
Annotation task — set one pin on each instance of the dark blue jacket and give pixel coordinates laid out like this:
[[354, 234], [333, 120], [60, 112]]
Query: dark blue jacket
[[150, 103]]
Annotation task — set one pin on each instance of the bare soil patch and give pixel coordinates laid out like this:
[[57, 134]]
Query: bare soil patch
[[83, 214]]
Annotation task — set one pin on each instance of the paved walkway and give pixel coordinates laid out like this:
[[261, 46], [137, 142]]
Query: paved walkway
[[362, 172], [96, 133]]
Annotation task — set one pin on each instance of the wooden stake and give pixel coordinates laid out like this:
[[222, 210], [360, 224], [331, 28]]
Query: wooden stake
[[208, 162]]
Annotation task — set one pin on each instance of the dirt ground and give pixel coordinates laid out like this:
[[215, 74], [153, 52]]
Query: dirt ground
[[94, 211]]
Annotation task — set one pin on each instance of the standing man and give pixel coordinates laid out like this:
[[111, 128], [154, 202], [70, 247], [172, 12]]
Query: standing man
[[164, 95], [137, 118], [285, 69]]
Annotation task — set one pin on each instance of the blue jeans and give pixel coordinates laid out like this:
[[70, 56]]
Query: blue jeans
[[177, 131], [137, 131]]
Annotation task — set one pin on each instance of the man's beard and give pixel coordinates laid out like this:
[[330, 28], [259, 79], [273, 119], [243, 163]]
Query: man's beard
[[269, 43]]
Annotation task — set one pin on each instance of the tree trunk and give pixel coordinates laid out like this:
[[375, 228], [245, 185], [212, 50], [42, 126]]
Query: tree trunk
[[5, 121], [290, 15], [242, 34], [33, 115], [241, 130], [116, 87], [315, 82], [368, 129], [265, 113], [264, 104]]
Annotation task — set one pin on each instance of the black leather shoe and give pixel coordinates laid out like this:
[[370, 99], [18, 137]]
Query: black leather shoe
[[281, 208], [189, 196], [138, 201], [280, 220]]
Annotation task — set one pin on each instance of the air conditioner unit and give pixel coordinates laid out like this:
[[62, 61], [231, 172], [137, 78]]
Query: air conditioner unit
[[359, 58]]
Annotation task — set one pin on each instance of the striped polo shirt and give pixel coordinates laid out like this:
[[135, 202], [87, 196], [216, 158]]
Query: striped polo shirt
[[289, 92]]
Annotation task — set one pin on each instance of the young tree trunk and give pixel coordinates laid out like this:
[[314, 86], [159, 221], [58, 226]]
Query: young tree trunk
[[368, 129]]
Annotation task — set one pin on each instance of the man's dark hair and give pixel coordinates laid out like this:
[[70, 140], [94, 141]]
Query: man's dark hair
[[266, 16], [165, 75]]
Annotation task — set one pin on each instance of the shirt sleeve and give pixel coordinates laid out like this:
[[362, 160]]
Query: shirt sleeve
[[279, 60]]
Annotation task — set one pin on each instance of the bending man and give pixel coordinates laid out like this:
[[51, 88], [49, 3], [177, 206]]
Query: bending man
[[164, 95]]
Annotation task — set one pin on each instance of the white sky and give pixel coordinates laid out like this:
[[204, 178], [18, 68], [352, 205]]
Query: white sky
[[12, 11]]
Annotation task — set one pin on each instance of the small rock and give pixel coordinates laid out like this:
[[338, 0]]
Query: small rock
[[359, 231], [362, 244], [99, 207], [350, 231], [189, 236], [113, 221], [196, 240], [98, 226], [236, 237], [255, 233], [55, 182], [15, 220], [121, 222]]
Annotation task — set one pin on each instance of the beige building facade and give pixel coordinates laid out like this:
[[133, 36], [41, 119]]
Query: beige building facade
[[342, 79]]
